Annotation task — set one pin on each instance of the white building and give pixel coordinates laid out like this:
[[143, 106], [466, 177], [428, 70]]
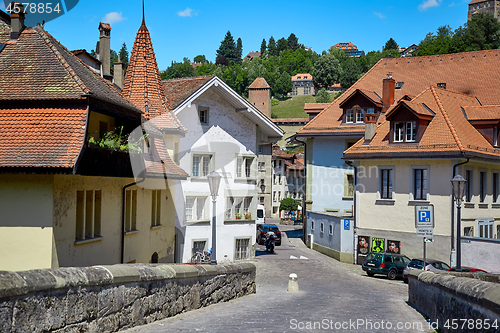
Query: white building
[[224, 133]]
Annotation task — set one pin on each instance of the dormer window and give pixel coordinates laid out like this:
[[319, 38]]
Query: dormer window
[[360, 116], [349, 116], [402, 128]]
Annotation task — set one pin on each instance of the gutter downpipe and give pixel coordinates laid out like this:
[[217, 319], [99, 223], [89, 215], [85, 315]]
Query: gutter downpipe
[[453, 254], [355, 249], [123, 216], [304, 198]]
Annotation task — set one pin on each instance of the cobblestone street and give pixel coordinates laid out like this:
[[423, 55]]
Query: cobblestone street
[[333, 296]]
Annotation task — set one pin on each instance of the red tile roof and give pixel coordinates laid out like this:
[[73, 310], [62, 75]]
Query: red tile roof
[[259, 83], [277, 152], [164, 167], [178, 90], [302, 77], [143, 86], [468, 72], [448, 133], [290, 120], [41, 137], [488, 112], [105, 25]]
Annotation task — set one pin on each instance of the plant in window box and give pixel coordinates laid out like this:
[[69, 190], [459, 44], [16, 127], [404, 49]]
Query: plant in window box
[[238, 216], [248, 216]]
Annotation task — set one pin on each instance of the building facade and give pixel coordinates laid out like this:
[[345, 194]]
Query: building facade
[[484, 6], [302, 84]]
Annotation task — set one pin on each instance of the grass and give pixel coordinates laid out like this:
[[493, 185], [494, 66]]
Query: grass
[[294, 107]]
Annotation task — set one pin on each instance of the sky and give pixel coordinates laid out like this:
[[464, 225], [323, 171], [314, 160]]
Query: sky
[[188, 28]]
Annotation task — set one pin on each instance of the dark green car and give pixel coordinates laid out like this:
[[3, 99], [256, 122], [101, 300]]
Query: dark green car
[[389, 264]]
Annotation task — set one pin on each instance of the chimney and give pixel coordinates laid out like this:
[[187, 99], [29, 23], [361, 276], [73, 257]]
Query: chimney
[[388, 87], [118, 73], [105, 48], [370, 126], [16, 20]]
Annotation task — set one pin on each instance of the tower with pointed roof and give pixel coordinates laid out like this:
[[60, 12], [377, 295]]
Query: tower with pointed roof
[[259, 94]]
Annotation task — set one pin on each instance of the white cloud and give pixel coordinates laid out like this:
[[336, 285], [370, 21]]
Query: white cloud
[[113, 17], [379, 15], [428, 4], [186, 12]]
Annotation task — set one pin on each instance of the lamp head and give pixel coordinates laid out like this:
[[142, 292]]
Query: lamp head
[[458, 183], [213, 183]]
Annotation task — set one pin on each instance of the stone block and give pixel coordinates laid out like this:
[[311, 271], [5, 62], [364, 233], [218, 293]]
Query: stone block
[[123, 273], [110, 300], [38, 280], [81, 305], [109, 323], [185, 271], [6, 310], [97, 276], [12, 284], [38, 313]]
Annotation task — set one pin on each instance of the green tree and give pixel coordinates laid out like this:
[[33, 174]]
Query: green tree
[[227, 48], [391, 45], [239, 50], [326, 71], [289, 204], [124, 56], [263, 48], [483, 32], [283, 84], [114, 58], [281, 45], [200, 58], [351, 72], [178, 70], [271, 47], [323, 96], [293, 42]]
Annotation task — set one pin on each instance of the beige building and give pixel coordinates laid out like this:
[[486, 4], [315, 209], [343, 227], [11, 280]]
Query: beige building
[[302, 84], [67, 197]]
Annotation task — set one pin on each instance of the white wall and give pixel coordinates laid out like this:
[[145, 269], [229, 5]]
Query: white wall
[[227, 134]]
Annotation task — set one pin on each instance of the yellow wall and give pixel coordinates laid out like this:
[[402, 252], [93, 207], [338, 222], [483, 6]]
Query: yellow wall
[[26, 240], [139, 245], [95, 118]]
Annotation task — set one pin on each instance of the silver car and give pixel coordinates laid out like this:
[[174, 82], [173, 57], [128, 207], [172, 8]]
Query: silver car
[[431, 265]]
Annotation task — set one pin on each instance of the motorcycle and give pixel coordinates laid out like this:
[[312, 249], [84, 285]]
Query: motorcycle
[[270, 242]]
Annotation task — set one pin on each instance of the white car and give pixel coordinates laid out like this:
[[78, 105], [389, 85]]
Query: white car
[[431, 265]]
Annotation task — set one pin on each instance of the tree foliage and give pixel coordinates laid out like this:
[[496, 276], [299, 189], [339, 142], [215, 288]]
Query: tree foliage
[[323, 96], [326, 71], [114, 58], [391, 45], [289, 204], [293, 42], [351, 72], [178, 70], [271, 47], [239, 50], [227, 48], [200, 58], [124, 56], [263, 47]]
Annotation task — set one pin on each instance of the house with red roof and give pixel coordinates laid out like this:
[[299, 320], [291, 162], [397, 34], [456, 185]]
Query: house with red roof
[[228, 134], [302, 84], [67, 184], [422, 133]]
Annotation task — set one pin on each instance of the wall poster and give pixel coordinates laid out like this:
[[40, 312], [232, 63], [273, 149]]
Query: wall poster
[[378, 244], [393, 246]]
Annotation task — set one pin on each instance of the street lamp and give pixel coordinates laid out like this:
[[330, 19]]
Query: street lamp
[[213, 183], [458, 183]]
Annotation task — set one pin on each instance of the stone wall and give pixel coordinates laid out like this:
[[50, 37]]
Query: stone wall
[[111, 298], [443, 297]]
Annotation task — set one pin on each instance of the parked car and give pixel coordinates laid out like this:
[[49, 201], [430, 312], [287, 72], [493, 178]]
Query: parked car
[[261, 214], [468, 270], [389, 264], [431, 265], [262, 230]]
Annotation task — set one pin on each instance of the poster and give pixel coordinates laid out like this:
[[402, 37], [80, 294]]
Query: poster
[[393, 246], [378, 244], [363, 245]]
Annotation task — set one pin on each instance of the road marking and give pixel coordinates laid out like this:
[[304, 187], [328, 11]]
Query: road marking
[[293, 257], [302, 257]]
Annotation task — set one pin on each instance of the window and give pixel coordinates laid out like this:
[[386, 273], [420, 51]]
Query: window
[[410, 131], [244, 167], [199, 246], [156, 208], [262, 166], [130, 210], [482, 186], [398, 132], [469, 231], [279, 195], [468, 186], [274, 196], [236, 207], [203, 115], [195, 208], [312, 225], [360, 116], [349, 116], [261, 199], [386, 186], [261, 149], [322, 227], [420, 181], [202, 165], [495, 187], [330, 231], [280, 177], [485, 227], [348, 186], [241, 251], [88, 214]]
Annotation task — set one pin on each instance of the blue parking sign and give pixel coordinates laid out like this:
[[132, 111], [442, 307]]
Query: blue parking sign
[[347, 224], [424, 216]]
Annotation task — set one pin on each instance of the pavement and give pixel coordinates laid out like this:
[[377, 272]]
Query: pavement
[[332, 297]]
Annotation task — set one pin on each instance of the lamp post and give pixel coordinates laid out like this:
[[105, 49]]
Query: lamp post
[[458, 183], [213, 183]]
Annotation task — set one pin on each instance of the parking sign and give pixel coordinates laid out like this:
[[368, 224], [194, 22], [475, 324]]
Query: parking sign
[[424, 216], [347, 224]]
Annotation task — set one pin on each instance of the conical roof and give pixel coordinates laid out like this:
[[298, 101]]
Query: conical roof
[[143, 86], [259, 83]]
